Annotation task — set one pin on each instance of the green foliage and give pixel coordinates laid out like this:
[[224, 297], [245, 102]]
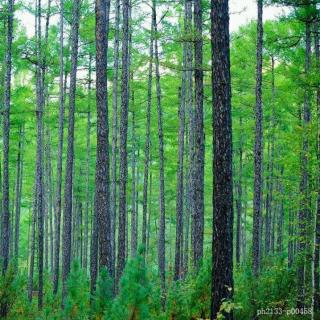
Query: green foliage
[[77, 300], [10, 287], [101, 301], [274, 288], [133, 300]]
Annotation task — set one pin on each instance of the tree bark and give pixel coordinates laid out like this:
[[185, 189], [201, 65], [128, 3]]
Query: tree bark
[[162, 226], [32, 249], [316, 294], [147, 145], [258, 149], [239, 200], [198, 163], [134, 234], [189, 129], [18, 194], [6, 134], [222, 247], [39, 157], [115, 86], [269, 197], [304, 212], [67, 213], [123, 142], [180, 188], [88, 157], [57, 207], [280, 221], [102, 194]]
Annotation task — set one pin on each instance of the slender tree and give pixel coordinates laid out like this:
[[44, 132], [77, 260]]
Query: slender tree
[[67, 213], [57, 207], [304, 216], [258, 149], [88, 157], [134, 234], [32, 246], [189, 128], [316, 277], [198, 162], [222, 247], [147, 144], [6, 133], [39, 157], [239, 199], [123, 141], [162, 226], [18, 194], [269, 197], [113, 193], [102, 196], [180, 187]]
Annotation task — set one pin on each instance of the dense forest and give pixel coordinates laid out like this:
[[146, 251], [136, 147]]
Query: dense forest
[[156, 164]]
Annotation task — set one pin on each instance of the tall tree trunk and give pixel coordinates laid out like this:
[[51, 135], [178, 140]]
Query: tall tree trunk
[[189, 130], [113, 194], [18, 194], [281, 214], [102, 196], [147, 145], [39, 160], [239, 200], [149, 215], [290, 239], [244, 227], [57, 207], [123, 142], [180, 189], [88, 149], [269, 197], [6, 133], [222, 247], [32, 248], [198, 164], [162, 227], [258, 149], [67, 213], [304, 212], [316, 277], [134, 239]]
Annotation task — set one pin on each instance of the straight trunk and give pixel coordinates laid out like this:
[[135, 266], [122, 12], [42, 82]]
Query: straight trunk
[[102, 196], [239, 201], [88, 149], [258, 149], [222, 246], [316, 294], [269, 198], [304, 213], [123, 142], [67, 213], [57, 207], [281, 216], [134, 233], [39, 160], [6, 133], [32, 249], [18, 195], [113, 194], [189, 129], [147, 145], [180, 189], [162, 226], [198, 162]]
